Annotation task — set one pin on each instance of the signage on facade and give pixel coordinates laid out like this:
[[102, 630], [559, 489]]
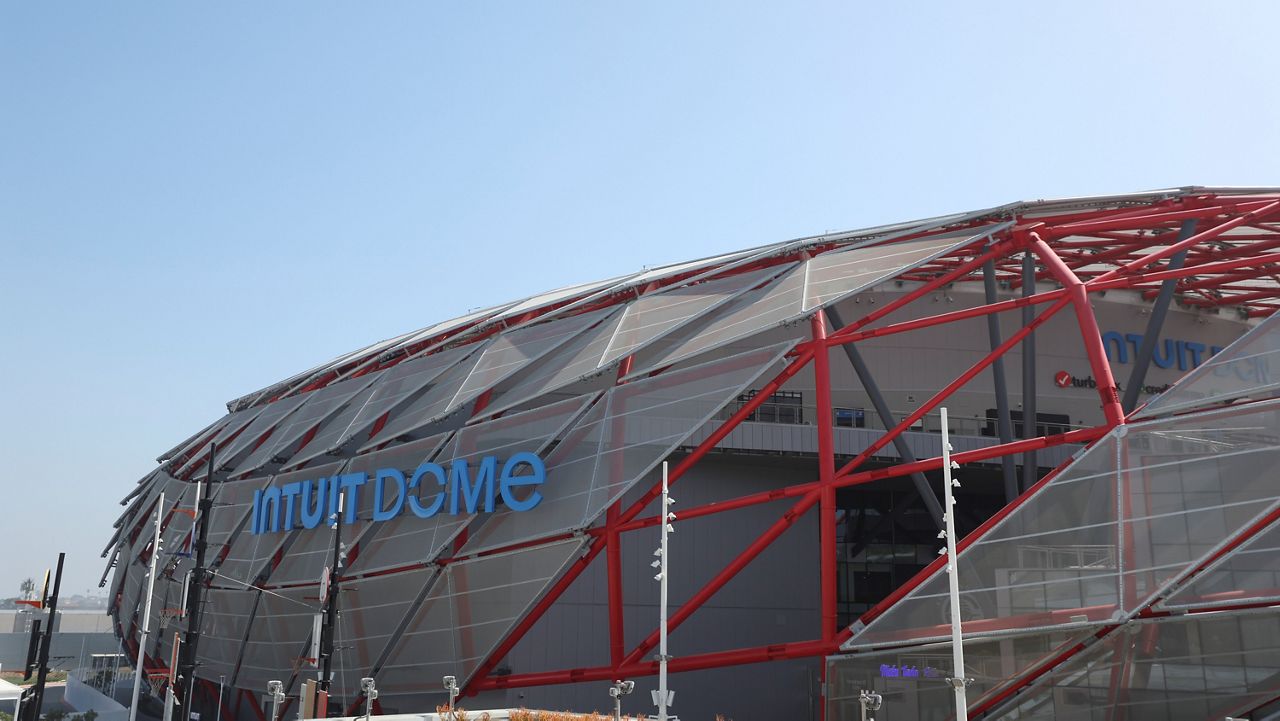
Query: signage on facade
[[429, 490], [1185, 354]]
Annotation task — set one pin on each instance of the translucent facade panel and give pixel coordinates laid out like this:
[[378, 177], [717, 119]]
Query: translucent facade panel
[[424, 651], [1243, 369], [750, 313], [912, 681], [1051, 562], [559, 295], [321, 405], [232, 503], [224, 623], [323, 446], [251, 553], [1104, 537], [234, 424], [467, 613], [491, 594], [1191, 483], [448, 326], [427, 407], [408, 539], [395, 387], [311, 549], [277, 644], [693, 266], [1189, 668], [652, 316], [190, 443], [264, 423], [574, 361], [1248, 574], [373, 610], [627, 432], [516, 348], [834, 275]]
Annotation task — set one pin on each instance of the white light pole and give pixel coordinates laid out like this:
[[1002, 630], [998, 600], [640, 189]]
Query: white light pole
[[146, 617], [222, 679], [663, 564], [957, 680]]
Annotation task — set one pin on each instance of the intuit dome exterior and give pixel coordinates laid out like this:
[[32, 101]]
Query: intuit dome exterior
[[501, 470]]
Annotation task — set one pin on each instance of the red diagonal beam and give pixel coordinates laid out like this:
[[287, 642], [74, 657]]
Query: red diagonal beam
[[955, 385], [1170, 250]]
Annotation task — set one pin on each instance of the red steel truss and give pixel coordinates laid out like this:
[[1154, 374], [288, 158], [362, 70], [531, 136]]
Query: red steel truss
[[1080, 252]]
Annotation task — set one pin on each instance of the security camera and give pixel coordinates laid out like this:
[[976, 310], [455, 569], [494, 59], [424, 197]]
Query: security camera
[[628, 687], [368, 688], [450, 683], [275, 687]]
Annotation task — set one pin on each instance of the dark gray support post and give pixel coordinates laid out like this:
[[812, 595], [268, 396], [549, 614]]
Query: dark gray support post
[[1138, 376], [882, 409], [1004, 425], [1030, 471]]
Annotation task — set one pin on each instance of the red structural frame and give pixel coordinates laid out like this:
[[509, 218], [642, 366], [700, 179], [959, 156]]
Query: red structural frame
[[1080, 253]]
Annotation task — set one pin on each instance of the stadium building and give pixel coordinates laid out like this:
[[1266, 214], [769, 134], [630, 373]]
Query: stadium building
[[1115, 439]]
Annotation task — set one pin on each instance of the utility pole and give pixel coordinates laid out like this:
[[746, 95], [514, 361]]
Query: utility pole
[[32, 707], [146, 614], [329, 597], [662, 697], [195, 591], [957, 680]]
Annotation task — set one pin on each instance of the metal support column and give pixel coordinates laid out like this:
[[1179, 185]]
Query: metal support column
[[1029, 468], [1004, 426], [886, 417], [1138, 376]]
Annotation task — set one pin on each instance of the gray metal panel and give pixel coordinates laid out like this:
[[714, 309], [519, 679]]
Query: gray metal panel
[[395, 388], [320, 406], [620, 440]]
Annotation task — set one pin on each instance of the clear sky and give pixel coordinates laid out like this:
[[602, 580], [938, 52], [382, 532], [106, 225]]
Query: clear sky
[[198, 199]]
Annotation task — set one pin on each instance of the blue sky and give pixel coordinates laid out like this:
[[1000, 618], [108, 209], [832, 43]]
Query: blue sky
[[198, 199]]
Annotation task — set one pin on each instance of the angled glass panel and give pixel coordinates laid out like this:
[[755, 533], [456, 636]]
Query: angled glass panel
[[516, 348], [574, 361], [426, 648], [1051, 562], [834, 275], [426, 408], [187, 445], [1139, 509], [1248, 574], [490, 594], [628, 432], [750, 313], [277, 643], [250, 553], [373, 609], [1190, 484], [311, 549], [395, 387], [320, 406], [652, 316], [331, 432], [1248, 368], [224, 623], [557, 296], [232, 504], [912, 681], [693, 266], [1188, 668], [235, 424], [408, 539], [261, 427]]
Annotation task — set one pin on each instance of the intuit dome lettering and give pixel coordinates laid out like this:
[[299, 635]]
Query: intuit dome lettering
[[429, 490]]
